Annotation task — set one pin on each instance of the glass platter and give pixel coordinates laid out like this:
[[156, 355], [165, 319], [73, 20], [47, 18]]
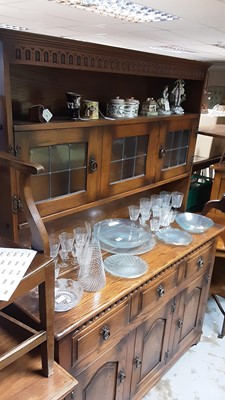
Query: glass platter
[[121, 233], [132, 251], [68, 294], [193, 223], [125, 266], [174, 236]]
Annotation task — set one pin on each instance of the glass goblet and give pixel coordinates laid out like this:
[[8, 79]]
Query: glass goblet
[[66, 241], [176, 199], [54, 247], [154, 225], [134, 212]]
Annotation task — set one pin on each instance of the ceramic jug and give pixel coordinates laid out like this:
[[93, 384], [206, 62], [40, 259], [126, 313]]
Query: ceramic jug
[[73, 105]]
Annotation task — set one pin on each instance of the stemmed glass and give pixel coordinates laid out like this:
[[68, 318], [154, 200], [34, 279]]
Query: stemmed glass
[[176, 200], [81, 237], [134, 212], [54, 251], [154, 225], [145, 210], [66, 241]]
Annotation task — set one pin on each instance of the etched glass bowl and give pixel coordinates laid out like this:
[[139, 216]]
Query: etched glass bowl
[[121, 233], [193, 223]]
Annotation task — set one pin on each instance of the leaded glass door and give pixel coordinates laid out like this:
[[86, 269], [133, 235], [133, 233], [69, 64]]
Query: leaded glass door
[[71, 158], [176, 147], [129, 157]]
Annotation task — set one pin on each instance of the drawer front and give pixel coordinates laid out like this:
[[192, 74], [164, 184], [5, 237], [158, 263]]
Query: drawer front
[[106, 332], [158, 291], [198, 262]]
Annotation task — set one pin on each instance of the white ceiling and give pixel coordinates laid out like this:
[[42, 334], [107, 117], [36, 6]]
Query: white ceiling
[[202, 26]]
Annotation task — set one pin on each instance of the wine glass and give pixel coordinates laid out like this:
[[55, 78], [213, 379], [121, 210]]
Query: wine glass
[[154, 225], [66, 240], [134, 212], [176, 199]]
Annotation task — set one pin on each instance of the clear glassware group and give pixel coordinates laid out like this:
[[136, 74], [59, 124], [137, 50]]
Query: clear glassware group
[[158, 210]]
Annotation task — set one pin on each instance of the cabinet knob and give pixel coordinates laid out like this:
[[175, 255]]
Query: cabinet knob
[[93, 165], [200, 262], [161, 291], [105, 332], [179, 323], [122, 376], [138, 362], [162, 153]]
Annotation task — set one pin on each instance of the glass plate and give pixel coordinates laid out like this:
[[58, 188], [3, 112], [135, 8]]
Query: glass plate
[[125, 266], [121, 233], [133, 251], [174, 236], [68, 294], [193, 223]]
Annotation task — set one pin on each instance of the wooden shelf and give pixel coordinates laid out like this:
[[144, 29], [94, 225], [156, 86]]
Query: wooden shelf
[[41, 274]]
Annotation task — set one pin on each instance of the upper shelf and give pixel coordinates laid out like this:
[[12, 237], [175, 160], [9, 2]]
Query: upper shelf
[[32, 49], [59, 123]]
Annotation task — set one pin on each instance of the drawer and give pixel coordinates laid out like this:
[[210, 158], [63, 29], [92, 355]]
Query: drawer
[[160, 289], [107, 331], [199, 261]]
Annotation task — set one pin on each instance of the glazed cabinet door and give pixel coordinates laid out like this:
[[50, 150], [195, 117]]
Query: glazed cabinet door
[[176, 147], [105, 378], [72, 161], [151, 349], [128, 157]]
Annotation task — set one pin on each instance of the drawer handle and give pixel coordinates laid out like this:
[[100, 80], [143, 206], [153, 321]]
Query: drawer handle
[[122, 376], [105, 332], [200, 262], [161, 291], [93, 165], [179, 323], [138, 362]]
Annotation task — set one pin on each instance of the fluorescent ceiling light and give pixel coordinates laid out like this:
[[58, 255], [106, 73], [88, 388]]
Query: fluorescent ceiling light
[[13, 27], [122, 9], [172, 49]]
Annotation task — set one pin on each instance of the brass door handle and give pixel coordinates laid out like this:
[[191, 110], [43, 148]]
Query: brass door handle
[[162, 153], [138, 362], [93, 165], [122, 376]]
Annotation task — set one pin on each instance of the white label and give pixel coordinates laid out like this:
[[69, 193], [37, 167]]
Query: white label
[[47, 115]]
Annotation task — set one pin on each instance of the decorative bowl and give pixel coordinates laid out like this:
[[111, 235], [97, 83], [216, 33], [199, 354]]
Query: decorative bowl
[[121, 233], [193, 223]]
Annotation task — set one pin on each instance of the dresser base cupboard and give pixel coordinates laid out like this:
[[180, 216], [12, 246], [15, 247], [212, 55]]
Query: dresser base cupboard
[[119, 342]]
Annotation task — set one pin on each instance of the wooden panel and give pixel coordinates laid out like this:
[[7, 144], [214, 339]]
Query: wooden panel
[[154, 294], [199, 261], [97, 340]]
